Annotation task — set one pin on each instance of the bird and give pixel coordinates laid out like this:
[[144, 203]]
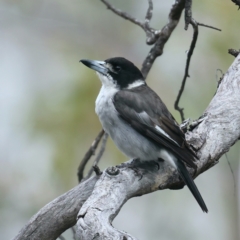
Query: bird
[[138, 121]]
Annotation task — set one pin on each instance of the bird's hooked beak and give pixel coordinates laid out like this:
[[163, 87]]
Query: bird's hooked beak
[[99, 66]]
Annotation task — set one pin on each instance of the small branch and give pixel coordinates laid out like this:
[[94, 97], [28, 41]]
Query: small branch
[[156, 37], [150, 32], [163, 36], [149, 13], [97, 170], [88, 155], [188, 13], [233, 52], [208, 26], [122, 14], [101, 151], [186, 74]]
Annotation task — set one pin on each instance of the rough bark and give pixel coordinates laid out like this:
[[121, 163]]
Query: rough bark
[[58, 215]]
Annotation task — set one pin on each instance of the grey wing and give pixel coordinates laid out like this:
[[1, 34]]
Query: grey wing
[[152, 121]]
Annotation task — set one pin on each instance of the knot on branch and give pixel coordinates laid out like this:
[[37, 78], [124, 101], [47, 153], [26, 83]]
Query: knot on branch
[[113, 171]]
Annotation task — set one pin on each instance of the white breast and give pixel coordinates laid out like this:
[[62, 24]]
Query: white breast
[[105, 108], [127, 139]]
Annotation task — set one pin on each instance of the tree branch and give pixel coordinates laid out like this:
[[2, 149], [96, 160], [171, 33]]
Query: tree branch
[[88, 155], [188, 13], [150, 32], [99, 155], [163, 36], [156, 37], [59, 215], [186, 74]]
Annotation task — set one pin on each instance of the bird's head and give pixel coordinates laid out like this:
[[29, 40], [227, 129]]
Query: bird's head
[[116, 72]]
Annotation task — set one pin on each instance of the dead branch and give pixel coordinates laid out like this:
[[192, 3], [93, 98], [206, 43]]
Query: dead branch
[[186, 74], [150, 32], [99, 155], [59, 215], [163, 36], [88, 155], [188, 13]]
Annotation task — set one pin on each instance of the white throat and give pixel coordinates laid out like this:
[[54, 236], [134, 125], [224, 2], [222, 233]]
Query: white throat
[[107, 81]]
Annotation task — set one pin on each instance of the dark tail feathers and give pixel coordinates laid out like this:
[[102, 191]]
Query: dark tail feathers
[[191, 185]]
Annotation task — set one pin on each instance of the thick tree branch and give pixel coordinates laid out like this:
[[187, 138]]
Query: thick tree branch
[[59, 215]]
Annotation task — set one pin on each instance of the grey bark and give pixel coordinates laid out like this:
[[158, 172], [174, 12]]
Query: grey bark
[[57, 216], [100, 198]]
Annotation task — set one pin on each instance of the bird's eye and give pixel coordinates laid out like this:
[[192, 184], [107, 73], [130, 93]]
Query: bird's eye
[[118, 68]]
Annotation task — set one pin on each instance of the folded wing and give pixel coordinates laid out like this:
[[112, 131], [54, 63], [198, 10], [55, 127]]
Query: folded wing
[[155, 123]]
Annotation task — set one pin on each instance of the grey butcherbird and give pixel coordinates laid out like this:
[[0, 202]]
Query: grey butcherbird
[[138, 121]]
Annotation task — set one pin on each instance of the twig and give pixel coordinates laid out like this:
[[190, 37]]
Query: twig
[[186, 74], [157, 37], [149, 13], [188, 13], [88, 155], [233, 52], [99, 155], [163, 36], [97, 170], [150, 32], [208, 26]]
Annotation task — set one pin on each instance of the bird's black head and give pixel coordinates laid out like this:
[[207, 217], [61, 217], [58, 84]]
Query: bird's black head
[[116, 72]]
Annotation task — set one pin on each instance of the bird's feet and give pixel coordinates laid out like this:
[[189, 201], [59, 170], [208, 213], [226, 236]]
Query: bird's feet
[[135, 166], [140, 167]]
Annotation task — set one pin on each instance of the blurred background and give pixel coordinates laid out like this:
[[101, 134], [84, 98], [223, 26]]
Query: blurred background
[[47, 118]]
